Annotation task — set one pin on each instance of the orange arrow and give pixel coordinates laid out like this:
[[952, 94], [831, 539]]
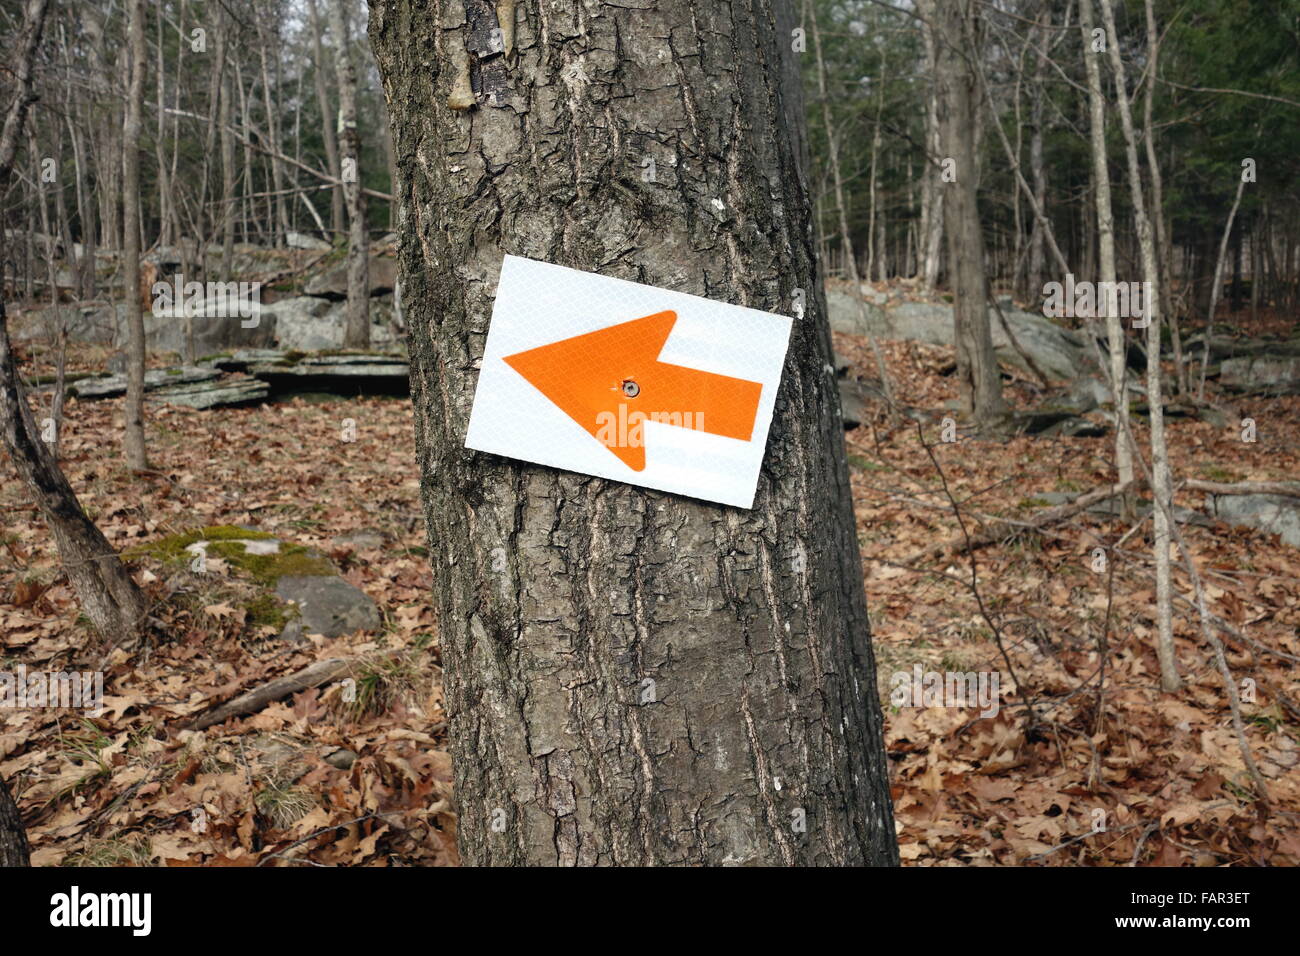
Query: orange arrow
[[611, 381]]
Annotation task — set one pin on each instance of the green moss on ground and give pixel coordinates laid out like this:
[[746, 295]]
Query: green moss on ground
[[292, 560], [172, 547], [266, 610]]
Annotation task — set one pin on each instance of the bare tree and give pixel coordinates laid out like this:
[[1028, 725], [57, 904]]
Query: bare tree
[[979, 379], [272, 112], [1164, 253], [1218, 285], [13, 839], [357, 333], [930, 235], [846, 239], [327, 117], [1037, 171], [1106, 245], [226, 106], [134, 406], [1161, 487]]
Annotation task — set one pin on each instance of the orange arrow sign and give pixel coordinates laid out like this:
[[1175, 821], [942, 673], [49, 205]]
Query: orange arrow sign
[[611, 381]]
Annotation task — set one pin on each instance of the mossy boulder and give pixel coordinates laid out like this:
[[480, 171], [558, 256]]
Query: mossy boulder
[[301, 590]]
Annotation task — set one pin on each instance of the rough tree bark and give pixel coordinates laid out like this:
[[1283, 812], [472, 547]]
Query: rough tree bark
[[13, 836], [108, 596], [134, 406], [13, 839], [979, 380], [562, 597], [357, 333]]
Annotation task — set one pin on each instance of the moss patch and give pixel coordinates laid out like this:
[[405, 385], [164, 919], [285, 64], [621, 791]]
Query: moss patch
[[223, 542], [293, 560], [172, 547], [266, 610]]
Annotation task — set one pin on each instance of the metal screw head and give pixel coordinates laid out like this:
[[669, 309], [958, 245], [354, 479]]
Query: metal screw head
[[630, 388]]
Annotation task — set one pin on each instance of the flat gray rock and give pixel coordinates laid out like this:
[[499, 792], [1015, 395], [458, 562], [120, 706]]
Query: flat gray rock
[[1275, 514], [327, 605], [235, 390], [1260, 371], [110, 386], [241, 359], [347, 364], [310, 323]]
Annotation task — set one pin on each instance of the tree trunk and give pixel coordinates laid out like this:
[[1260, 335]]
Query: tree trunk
[[13, 837], [109, 597], [846, 238], [1037, 258], [875, 247], [1164, 251], [357, 333], [134, 407], [165, 215], [327, 120], [1106, 249], [631, 677], [1218, 285], [932, 191], [85, 211], [1162, 490], [979, 381], [280, 219], [247, 206], [229, 205], [205, 218]]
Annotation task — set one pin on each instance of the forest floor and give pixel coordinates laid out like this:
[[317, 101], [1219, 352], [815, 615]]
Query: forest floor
[[1108, 772]]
